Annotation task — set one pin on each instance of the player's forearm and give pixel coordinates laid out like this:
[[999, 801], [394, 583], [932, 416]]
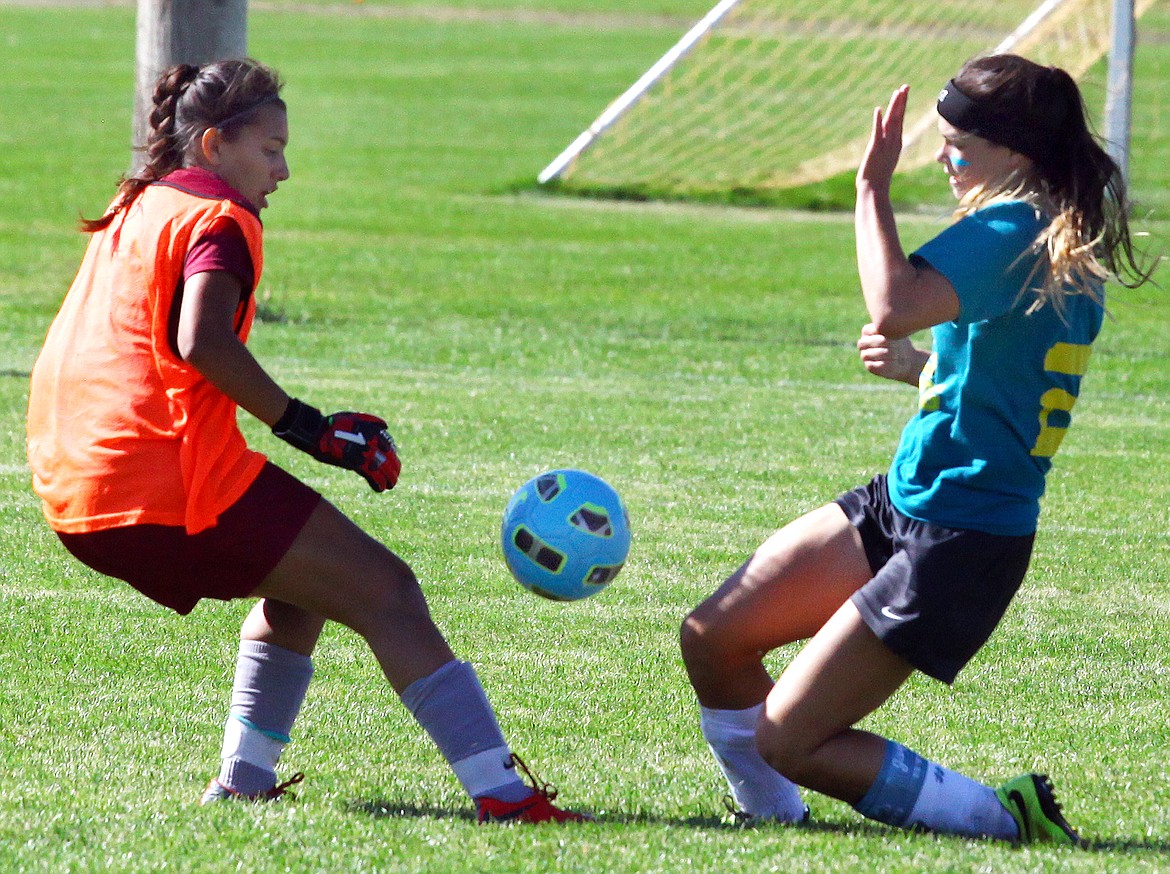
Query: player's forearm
[[886, 274], [206, 339]]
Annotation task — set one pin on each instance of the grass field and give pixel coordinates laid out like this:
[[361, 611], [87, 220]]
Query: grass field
[[699, 358]]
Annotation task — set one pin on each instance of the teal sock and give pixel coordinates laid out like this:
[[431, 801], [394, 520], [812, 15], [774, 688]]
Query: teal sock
[[892, 796]]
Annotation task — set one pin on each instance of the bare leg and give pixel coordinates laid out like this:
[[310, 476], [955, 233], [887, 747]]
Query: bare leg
[[842, 675], [785, 592], [798, 585], [336, 571], [806, 733], [283, 625]]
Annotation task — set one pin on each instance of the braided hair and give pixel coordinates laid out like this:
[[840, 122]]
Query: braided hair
[[187, 101]]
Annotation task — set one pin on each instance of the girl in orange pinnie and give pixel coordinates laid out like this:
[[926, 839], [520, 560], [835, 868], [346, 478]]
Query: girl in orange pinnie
[[145, 476]]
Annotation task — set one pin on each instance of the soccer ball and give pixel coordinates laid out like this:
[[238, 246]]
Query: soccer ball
[[565, 535]]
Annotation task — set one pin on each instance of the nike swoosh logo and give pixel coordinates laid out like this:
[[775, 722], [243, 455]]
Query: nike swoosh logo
[[359, 439], [890, 614], [1025, 825]]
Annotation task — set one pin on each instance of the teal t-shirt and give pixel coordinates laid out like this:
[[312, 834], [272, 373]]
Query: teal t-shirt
[[996, 396]]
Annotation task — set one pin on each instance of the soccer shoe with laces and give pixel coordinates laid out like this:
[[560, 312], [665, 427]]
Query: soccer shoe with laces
[[1030, 801], [536, 808], [216, 791], [739, 816]]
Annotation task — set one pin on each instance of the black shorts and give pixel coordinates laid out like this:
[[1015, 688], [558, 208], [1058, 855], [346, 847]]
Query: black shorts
[[228, 560], [937, 593]]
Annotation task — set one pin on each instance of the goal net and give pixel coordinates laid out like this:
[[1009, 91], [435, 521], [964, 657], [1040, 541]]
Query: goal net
[[768, 94]]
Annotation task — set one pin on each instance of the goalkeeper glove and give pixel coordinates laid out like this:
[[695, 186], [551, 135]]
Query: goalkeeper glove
[[355, 441]]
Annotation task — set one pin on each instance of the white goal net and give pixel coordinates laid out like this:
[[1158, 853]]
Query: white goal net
[[767, 94]]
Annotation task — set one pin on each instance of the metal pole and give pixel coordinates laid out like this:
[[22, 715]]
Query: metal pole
[[1119, 86], [181, 32]]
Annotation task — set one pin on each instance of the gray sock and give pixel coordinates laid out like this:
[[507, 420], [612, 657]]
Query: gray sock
[[267, 693], [453, 708]]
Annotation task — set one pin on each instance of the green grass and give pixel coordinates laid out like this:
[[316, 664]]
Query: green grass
[[698, 357]]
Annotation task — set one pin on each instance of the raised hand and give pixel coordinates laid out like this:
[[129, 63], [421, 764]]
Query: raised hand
[[885, 142]]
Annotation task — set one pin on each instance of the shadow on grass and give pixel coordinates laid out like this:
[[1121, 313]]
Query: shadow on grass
[[382, 809], [869, 829], [1125, 846], [379, 809]]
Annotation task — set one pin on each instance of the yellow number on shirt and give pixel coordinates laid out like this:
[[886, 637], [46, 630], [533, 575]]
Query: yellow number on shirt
[[928, 392], [1067, 358]]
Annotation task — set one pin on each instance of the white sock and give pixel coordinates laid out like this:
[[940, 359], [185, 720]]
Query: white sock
[[249, 757], [912, 791], [491, 774], [952, 803], [757, 788]]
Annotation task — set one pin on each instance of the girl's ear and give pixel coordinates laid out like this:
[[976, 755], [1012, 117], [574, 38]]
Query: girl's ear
[[209, 145], [1020, 162]]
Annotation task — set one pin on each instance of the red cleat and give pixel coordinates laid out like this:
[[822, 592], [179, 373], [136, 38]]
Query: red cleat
[[536, 808]]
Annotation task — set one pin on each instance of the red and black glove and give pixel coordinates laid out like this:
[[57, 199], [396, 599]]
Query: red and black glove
[[355, 441]]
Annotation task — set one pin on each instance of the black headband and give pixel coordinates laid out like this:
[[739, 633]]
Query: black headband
[[1029, 139]]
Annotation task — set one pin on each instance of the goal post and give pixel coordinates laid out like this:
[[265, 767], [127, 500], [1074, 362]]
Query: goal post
[[766, 94], [1119, 85], [627, 99], [171, 32]]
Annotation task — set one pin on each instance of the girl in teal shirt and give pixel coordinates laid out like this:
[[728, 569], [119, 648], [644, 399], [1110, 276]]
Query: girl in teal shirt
[[914, 570]]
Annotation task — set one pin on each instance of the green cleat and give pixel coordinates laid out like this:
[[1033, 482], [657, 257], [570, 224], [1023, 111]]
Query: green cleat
[[1030, 801]]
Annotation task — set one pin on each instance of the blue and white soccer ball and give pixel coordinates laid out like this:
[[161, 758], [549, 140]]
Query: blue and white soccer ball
[[565, 534]]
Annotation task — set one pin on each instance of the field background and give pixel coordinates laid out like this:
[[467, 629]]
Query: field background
[[700, 358]]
